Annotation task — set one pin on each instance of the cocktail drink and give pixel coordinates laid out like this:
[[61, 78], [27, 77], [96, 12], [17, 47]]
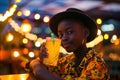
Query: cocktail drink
[[53, 48]]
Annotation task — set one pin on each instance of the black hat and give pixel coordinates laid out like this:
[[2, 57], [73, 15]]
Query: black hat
[[76, 14]]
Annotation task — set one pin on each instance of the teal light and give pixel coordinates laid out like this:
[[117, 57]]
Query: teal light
[[47, 30], [107, 27], [37, 30]]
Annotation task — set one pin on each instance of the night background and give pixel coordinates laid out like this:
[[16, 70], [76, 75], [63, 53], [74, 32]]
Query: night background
[[24, 27]]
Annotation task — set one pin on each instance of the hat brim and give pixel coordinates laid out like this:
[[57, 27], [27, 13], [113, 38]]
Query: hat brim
[[86, 20]]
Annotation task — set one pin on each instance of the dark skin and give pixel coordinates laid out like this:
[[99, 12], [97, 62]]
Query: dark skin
[[73, 37]]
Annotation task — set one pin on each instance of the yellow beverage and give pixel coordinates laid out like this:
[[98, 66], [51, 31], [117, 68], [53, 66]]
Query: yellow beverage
[[53, 48]]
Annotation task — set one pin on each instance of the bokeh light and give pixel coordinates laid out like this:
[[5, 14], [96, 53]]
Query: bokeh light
[[26, 26], [16, 54], [31, 54], [99, 21], [46, 19], [117, 42], [37, 16], [17, 1], [19, 13], [25, 41], [25, 50], [106, 36], [47, 30], [114, 37], [107, 27], [99, 32], [37, 44], [9, 37], [26, 12]]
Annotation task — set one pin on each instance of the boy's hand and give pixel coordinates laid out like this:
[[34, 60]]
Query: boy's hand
[[43, 52]]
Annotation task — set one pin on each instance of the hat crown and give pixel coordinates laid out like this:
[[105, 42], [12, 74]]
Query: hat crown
[[76, 14], [74, 10]]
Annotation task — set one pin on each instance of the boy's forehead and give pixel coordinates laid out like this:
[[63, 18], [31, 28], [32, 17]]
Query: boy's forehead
[[65, 25]]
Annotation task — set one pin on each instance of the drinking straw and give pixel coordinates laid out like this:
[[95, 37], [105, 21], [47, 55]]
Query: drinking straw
[[53, 38]]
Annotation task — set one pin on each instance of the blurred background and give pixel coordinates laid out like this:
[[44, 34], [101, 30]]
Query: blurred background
[[24, 27]]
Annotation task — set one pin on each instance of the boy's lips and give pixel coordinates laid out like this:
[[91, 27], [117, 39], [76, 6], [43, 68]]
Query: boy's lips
[[66, 45]]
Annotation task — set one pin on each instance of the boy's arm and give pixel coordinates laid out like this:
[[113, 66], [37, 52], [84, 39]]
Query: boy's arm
[[41, 72]]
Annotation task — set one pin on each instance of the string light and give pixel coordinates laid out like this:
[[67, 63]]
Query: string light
[[15, 26], [18, 29], [8, 13], [31, 36], [95, 41], [26, 26], [34, 37]]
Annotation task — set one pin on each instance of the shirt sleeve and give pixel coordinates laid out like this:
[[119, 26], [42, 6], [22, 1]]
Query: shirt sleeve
[[95, 70]]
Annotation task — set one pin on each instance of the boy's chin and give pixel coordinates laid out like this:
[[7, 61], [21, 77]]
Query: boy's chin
[[69, 50]]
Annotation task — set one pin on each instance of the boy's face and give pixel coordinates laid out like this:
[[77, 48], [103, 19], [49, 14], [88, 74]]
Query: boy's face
[[71, 34]]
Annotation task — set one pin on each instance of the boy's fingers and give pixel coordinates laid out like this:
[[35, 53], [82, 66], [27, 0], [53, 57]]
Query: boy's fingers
[[43, 54]]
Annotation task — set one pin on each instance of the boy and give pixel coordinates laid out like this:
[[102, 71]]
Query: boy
[[75, 29]]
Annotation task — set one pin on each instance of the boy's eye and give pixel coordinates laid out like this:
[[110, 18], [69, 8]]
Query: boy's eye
[[69, 32], [60, 35]]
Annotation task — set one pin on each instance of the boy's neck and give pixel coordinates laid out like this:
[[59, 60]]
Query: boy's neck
[[81, 51], [79, 54]]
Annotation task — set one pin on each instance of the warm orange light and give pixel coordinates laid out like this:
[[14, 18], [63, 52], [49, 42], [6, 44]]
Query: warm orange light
[[31, 54], [46, 19], [23, 64], [25, 50], [94, 42], [14, 6], [16, 53], [19, 13], [9, 37], [26, 26], [17, 1], [25, 41], [114, 56], [114, 37], [117, 42]]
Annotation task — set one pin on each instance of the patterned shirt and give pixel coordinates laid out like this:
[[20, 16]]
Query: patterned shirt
[[92, 67]]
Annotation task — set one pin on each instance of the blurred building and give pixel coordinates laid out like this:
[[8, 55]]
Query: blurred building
[[36, 14]]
